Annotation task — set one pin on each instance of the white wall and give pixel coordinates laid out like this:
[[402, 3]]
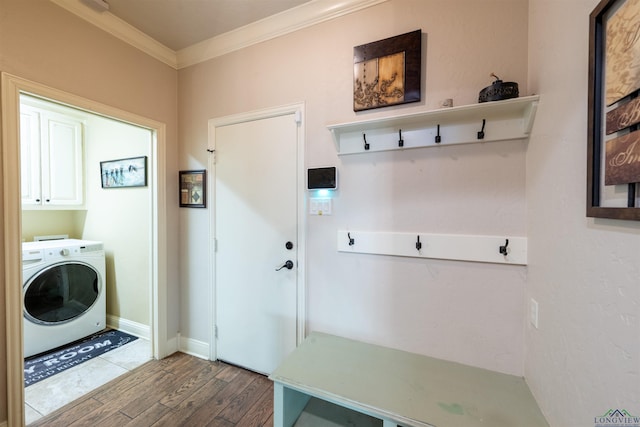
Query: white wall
[[468, 312], [585, 273]]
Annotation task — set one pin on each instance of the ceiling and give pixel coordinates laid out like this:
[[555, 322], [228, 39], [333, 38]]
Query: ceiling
[[181, 23], [182, 33]]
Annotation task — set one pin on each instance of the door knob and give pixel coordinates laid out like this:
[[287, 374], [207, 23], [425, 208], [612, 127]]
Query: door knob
[[288, 264]]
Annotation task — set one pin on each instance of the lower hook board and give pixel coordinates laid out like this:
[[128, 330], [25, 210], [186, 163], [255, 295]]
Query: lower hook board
[[475, 248]]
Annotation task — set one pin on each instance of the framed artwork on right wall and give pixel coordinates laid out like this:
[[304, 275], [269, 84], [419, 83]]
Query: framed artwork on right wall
[[613, 154]]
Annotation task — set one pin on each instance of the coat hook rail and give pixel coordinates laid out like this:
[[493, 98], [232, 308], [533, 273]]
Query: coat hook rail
[[481, 133], [400, 140], [499, 249]]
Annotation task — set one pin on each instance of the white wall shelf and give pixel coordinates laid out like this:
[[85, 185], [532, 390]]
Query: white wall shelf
[[511, 119], [440, 246]]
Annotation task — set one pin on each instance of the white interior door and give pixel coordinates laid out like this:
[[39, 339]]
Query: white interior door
[[255, 224]]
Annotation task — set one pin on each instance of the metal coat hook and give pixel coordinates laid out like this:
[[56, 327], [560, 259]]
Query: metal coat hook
[[438, 139], [481, 133], [351, 240], [418, 244], [400, 140], [210, 150], [503, 249], [366, 144]]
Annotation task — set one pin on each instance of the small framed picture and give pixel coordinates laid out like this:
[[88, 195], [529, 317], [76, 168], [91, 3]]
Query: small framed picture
[[131, 172], [193, 189]]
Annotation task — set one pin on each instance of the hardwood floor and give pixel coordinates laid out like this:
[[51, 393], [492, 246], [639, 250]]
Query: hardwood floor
[[180, 390]]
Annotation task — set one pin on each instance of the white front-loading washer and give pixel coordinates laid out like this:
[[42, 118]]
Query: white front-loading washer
[[63, 292]]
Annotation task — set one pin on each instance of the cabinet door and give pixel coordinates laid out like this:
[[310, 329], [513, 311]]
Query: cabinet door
[[62, 171], [30, 157]]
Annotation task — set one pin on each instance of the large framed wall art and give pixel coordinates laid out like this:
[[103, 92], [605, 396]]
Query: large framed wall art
[[613, 160], [387, 72]]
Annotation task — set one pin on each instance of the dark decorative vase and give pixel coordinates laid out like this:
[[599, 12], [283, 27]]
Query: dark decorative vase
[[498, 91]]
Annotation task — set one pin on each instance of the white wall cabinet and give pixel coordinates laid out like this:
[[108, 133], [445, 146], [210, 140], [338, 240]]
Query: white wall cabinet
[[52, 166]]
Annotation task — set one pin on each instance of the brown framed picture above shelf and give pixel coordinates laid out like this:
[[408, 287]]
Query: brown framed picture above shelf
[[613, 152], [387, 72], [193, 189]]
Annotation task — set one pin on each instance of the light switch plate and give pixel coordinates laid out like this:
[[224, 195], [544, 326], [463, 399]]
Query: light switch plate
[[533, 313], [319, 206]]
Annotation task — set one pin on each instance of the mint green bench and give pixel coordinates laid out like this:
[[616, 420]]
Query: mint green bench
[[398, 388]]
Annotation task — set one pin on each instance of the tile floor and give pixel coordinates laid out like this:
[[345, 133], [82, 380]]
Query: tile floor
[[46, 396]]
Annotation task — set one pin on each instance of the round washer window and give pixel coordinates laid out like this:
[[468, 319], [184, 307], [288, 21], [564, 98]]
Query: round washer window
[[61, 293]]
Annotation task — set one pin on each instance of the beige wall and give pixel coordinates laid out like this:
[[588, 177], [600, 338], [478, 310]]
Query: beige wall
[[120, 218], [51, 222], [40, 41], [581, 361], [468, 312]]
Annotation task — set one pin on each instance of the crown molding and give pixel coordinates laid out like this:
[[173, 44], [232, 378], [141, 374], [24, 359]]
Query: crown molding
[[120, 29], [305, 15]]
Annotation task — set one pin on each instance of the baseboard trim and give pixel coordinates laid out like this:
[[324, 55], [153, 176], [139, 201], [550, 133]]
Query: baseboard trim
[[194, 347], [173, 345], [186, 345], [129, 326]]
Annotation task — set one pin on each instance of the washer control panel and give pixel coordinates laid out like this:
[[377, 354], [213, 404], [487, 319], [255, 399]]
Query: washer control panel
[[36, 251]]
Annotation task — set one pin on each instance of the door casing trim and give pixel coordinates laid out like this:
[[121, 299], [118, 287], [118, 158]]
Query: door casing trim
[[12, 86], [298, 110]]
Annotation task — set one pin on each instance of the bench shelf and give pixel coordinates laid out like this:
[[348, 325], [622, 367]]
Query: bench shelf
[[398, 388]]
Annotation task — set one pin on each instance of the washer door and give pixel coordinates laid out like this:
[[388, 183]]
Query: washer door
[[61, 293]]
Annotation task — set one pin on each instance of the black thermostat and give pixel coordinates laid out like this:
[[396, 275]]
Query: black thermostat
[[322, 178]]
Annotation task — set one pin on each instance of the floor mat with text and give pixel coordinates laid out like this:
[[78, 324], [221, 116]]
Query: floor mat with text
[[42, 366]]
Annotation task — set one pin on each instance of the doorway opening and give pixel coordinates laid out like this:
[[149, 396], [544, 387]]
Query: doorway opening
[[12, 88]]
